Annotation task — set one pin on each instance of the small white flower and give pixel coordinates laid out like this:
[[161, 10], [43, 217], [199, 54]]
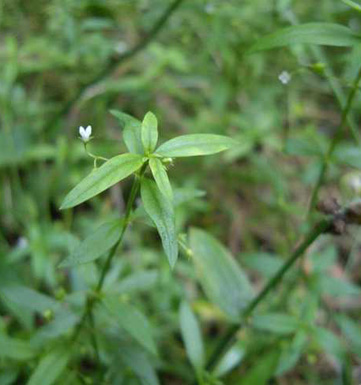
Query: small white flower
[[284, 77], [85, 133], [22, 243], [209, 8]]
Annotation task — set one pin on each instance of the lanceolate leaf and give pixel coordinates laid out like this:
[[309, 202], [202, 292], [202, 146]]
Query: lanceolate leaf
[[161, 177], [139, 362], [132, 129], [50, 367], [221, 277], [162, 213], [95, 245], [261, 370], [16, 349], [191, 336], [149, 132], [195, 144], [100, 179], [132, 321], [310, 33]]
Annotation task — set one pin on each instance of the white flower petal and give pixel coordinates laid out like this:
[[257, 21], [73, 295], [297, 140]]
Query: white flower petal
[[284, 77], [88, 131]]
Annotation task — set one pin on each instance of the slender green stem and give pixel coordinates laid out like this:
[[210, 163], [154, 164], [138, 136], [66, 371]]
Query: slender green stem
[[229, 337], [334, 142], [93, 299], [115, 62], [93, 335]]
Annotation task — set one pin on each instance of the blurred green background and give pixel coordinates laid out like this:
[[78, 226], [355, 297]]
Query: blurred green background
[[66, 63]]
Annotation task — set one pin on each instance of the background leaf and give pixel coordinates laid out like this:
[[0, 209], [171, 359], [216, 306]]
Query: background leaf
[[95, 245], [132, 321], [309, 33], [221, 277], [191, 335], [50, 367]]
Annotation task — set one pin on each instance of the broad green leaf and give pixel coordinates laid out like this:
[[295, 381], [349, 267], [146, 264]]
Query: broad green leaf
[[266, 264], [100, 179], [95, 245], [221, 277], [292, 353], [138, 281], [192, 336], [29, 298], [278, 323], [230, 360], [132, 131], [132, 321], [161, 212], [353, 4], [352, 331], [8, 377], [329, 342], [309, 33], [50, 367], [348, 155], [16, 349], [62, 322], [149, 132], [194, 145], [262, 370], [138, 361], [161, 178]]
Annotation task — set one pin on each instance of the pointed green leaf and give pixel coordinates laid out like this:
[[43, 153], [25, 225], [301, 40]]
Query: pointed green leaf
[[139, 362], [161, 177], [16, 349], [132, 131], [132, 321], [279, 323], [221, 277], [161, 212], [28, 298], [192, 336], [50, 367], [149, 132], [95, 245], [310, 33], [353, 4], [262, 369], [100, 179], [194, 145]]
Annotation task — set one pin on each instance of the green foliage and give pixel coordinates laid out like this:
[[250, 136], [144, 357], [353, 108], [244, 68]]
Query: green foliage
[[94, 245], [149, 132], [87, 295], [191, 336], [132, 321], [100, 179], [50, 367], [309, 33], [161, 212], [195, 145], [222, 279]]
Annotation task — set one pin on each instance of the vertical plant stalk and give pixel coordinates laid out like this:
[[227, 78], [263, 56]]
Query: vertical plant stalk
[[322, 227], [334, 142], [91, 300]]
